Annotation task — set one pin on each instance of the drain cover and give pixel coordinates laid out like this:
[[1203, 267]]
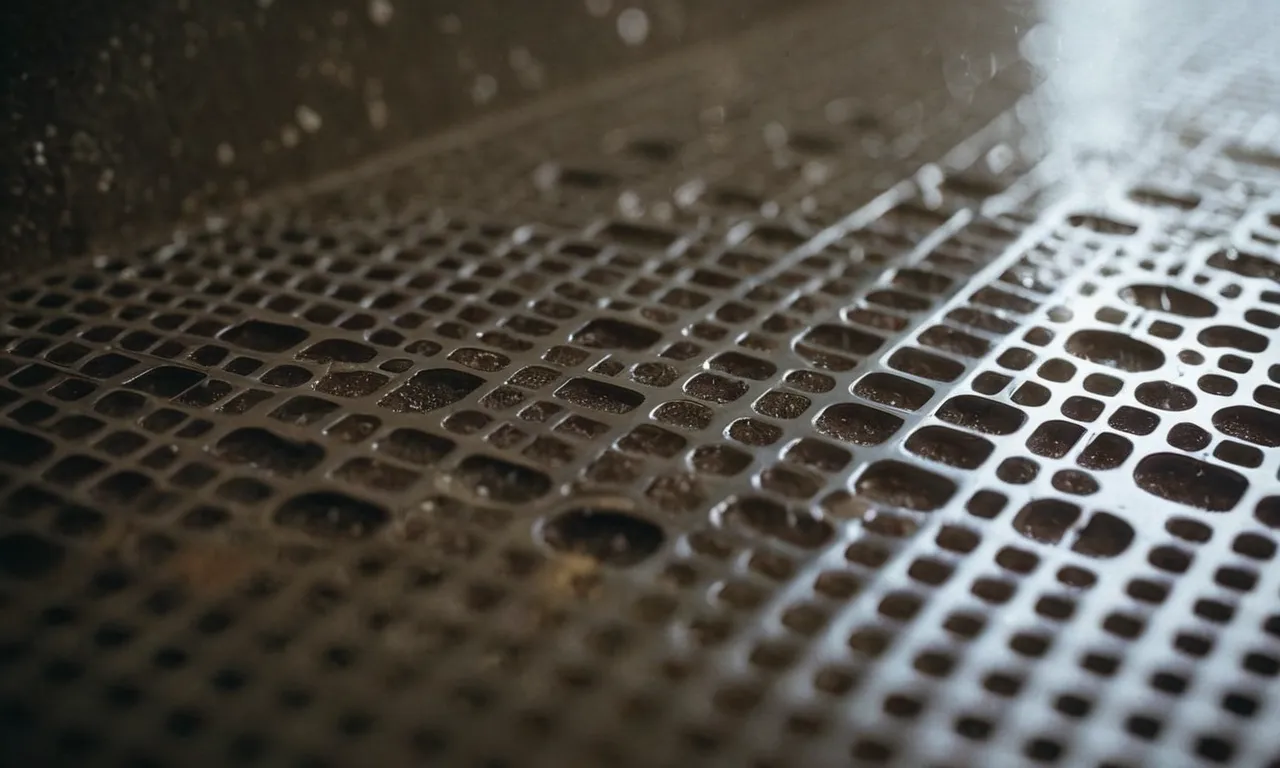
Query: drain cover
[[685, 423]]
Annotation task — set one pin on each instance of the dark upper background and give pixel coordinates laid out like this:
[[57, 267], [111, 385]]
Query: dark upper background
[[118, 119]]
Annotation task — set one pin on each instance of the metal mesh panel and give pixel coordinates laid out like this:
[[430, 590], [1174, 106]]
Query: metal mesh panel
[[684, 422]]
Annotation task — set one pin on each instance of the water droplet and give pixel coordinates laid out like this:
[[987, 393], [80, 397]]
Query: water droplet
[[381, 11], [633, 26], [529, 71], [483, 89], [450, 24], [308, 119], [375, 105], [775, 135]]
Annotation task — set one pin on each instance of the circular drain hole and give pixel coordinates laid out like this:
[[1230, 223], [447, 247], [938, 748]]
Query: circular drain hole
[[611, 537]]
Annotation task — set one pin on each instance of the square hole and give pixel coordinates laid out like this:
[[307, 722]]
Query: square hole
[[1038, 336], [995, 591], [935, 664], [1169, 683], [973, 728], [986, 504], [903, 485], [1100, 664], [1214, 611], [1147, 591], [1123, 625], [1239, 454], [1031, 395], [1055, 608], [1254, 546], [1082, 408], [966, 625], [70, 390], [1134, 421], [1043, 750], [1057, 370], [1143, 727], [194, 476], [1111, 315], [1016, 359], [1002, 684], [1103, 385], [956, 539], [1238, 579], [1073, 706], [1234, 364], [1170, 559], [1193, 645], [991, 383], [930, 571], [1017, 560], [867, 554], [1240, 704]]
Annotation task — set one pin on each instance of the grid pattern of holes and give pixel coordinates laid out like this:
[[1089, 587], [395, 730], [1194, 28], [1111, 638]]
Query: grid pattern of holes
[[319, 471]]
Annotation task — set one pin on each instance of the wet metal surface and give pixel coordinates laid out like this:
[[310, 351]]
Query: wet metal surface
[[117, 120], [784, 403]]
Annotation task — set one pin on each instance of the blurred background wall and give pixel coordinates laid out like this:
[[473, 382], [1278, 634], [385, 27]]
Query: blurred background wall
[[120, 118]]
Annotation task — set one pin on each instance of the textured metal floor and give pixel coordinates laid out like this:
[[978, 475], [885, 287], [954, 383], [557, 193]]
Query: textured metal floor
[[686, 421]]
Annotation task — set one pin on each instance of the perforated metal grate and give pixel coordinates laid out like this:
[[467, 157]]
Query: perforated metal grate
[[670, 426]]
